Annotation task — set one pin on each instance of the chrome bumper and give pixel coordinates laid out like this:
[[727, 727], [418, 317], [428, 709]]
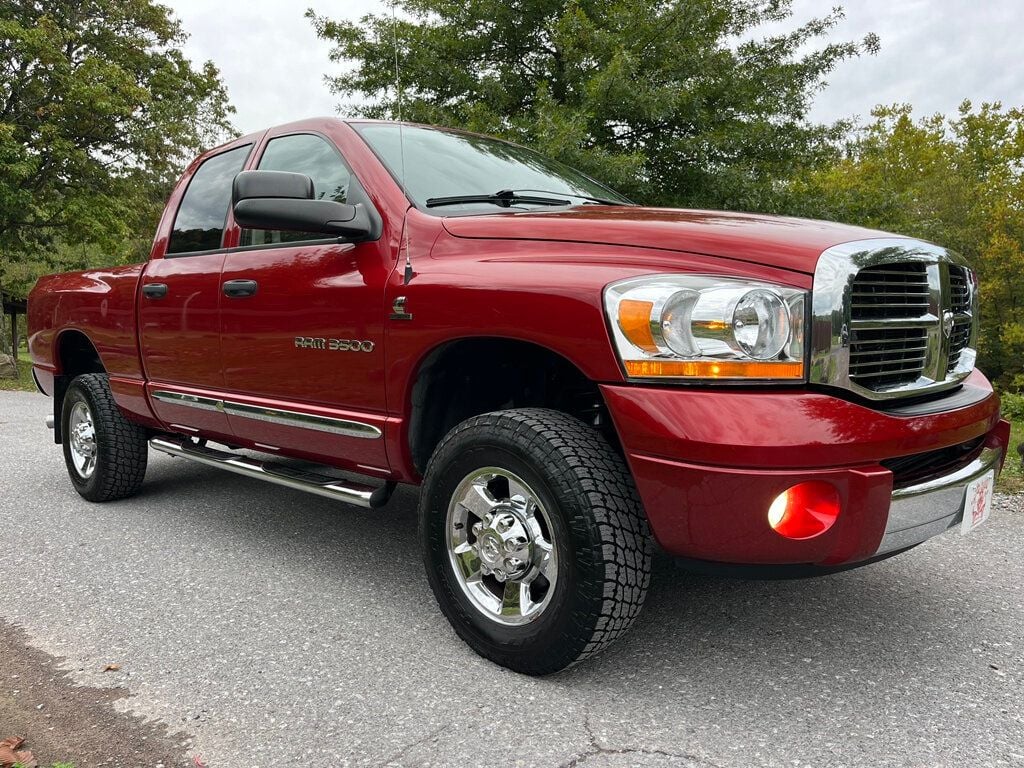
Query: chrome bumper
[[919, 512]]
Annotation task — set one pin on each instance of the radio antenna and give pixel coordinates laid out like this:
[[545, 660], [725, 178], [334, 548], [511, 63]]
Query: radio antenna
[[401, 136]]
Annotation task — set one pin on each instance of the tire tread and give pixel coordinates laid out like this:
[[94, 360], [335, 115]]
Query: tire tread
[[122, 445], [608, 513]]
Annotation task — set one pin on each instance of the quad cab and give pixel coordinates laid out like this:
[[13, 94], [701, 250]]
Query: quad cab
[[571, 379]]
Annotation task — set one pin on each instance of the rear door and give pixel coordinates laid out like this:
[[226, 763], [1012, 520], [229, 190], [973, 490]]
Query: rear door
[[302, 342], [179, 300]]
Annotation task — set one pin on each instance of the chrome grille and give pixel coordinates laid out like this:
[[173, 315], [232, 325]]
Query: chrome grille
[[890, 290], [960, 304], [881, 357], [891, 318]]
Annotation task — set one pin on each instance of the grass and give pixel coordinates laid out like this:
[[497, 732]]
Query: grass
[[1012, 478], [24, 381]]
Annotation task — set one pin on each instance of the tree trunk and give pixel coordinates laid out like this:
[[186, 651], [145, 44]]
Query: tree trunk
[[8, 367]]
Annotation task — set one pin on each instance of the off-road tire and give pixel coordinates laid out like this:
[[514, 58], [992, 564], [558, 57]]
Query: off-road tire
[[122, 450], [604, 547]]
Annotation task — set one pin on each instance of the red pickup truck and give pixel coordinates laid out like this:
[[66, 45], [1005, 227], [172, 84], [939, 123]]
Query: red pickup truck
[[571, 378]]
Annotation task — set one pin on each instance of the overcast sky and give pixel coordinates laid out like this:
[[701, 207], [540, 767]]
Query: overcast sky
[[934, 54]]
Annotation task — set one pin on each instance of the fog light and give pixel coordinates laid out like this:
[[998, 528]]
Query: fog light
[[804, 511]]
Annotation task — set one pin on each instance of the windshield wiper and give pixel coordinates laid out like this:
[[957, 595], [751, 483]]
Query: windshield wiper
[[505, 198], [601, 200]]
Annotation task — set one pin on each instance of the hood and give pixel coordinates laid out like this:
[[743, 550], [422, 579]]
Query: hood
[[778, 241]]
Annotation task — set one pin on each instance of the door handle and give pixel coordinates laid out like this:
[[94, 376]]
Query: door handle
[[154, 290], [238, 289]]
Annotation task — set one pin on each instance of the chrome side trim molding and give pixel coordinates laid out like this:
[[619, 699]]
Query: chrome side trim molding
[[303, 420], [921, 511], [288, 418], [340, 490], [192, 401]]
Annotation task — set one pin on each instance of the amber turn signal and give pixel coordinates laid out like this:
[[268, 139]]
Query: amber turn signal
[[635, 322], [716, 369]]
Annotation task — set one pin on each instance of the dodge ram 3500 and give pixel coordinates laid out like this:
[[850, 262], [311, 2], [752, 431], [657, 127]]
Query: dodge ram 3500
[[569, 377]]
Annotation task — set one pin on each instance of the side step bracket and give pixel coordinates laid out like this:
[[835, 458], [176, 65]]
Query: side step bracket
[[298, 479]]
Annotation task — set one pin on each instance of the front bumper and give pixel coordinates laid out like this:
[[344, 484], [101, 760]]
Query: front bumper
[[926, 509], [709, 462]]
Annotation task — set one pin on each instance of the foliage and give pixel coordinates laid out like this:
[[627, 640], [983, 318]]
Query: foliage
[[1013, 406], [99, 110], [1011, 480], [955, 181], [674, 103]]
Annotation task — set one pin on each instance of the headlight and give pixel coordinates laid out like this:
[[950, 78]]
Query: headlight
[[704, 327]]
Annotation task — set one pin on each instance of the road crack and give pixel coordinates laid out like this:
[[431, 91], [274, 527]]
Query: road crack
[[396, 758], [595, 748]]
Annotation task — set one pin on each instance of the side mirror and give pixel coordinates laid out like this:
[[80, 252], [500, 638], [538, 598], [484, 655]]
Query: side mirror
[[281, 200]]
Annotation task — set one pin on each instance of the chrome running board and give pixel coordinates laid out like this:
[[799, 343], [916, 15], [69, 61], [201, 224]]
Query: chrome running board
[[297, 479]]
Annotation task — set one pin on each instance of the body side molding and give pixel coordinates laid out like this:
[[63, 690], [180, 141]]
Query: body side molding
[[288, 418]]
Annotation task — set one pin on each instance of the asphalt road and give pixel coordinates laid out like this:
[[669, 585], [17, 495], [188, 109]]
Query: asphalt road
[[277, 629]]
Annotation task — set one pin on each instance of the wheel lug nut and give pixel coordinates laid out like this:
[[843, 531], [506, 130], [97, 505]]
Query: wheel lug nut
[[513, 564], [505, 522], [499, 574], [478, 528], [516, 542]]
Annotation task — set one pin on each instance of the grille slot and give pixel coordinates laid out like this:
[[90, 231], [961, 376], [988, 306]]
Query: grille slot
[[908, 470], [883, 357], [897, 290], [960, 304]]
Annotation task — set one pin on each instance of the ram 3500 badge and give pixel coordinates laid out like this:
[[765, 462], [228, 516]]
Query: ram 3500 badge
[[344, 345]]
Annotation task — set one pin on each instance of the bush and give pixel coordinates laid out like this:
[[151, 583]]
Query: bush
[[1013, 406]]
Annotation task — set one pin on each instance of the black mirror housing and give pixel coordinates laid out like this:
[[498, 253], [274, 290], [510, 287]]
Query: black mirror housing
[[250, 184], [281, 200], [324, 216]]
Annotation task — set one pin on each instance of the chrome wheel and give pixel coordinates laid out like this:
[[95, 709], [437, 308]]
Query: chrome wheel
[[500, 546], [82, 440]]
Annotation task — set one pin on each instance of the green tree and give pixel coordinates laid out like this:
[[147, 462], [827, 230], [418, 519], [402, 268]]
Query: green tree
[[674, 103], [958, 182], [99, 111]]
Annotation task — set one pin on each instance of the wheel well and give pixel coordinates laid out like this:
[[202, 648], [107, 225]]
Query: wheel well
[[465, 378], [77, 355]]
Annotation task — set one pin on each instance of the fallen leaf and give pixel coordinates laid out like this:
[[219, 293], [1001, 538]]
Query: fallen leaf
[[112, 668], [9, 757]]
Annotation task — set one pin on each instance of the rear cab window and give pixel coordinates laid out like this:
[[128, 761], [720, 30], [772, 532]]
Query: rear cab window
[[199, 222]]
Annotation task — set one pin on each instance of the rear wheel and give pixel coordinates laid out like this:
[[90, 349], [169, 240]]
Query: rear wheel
[[534, 540], [106, 454]]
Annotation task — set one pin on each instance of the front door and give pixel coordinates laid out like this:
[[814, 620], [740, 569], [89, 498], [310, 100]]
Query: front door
[[179, 302], [302, 326]]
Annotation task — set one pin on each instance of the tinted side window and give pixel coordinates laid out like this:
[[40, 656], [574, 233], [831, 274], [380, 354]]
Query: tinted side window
[[314, 157], [199, 224]]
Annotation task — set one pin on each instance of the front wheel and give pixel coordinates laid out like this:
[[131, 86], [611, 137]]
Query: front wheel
[[105, 453], [534, 540]]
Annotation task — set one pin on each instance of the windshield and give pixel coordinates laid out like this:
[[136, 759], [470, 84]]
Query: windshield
[[445, 164]]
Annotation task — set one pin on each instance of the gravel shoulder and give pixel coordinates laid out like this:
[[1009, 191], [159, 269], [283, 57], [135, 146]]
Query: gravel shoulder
[[65, 722], [276, 629]]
